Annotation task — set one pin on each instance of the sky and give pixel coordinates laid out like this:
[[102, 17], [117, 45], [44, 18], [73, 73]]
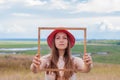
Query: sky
[[21, 18]]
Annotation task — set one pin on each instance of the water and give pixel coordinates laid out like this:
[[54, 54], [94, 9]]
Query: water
[[18, 49], [14, 50]]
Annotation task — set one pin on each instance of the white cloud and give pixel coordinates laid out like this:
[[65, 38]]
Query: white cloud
[[4, 4], [59, 4], [73, 0], [98, 6], [11, 3], [52, 4], [27, 27], [103, 27], [22, 14], [1, 29], [35, 2], [14, 29], [108, 26], [111, 27], [25, 23], [2, 1]]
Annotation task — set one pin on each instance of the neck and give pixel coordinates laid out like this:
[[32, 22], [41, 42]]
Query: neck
[[61, 52]]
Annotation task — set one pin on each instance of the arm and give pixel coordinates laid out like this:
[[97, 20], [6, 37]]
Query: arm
[[83, 65], [39, 63], [87, 63], [35, 64]]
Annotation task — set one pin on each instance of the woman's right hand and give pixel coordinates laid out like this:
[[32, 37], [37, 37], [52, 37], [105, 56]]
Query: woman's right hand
[[35, 63]]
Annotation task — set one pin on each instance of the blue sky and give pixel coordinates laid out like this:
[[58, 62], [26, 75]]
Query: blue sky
[[21, 18]]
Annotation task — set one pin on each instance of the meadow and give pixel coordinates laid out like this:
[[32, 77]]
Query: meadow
[[16, 66]]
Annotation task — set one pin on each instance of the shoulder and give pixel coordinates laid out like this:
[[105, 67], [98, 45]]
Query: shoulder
[[78, 62], [77, 59], [46, 57], [44, 61]]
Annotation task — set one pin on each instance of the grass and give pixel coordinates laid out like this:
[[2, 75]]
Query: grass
[[17, 44], [102, 71], [16, 67]]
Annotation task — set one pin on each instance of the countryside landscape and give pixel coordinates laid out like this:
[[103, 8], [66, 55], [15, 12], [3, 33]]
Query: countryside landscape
[[19, 23], [16, 57]]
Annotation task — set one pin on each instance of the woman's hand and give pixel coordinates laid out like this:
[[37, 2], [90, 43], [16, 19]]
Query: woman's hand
[[87, 59], [87, 62], [35, 63]]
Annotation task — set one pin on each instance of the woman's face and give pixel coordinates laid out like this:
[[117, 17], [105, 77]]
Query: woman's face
[[61, 40]]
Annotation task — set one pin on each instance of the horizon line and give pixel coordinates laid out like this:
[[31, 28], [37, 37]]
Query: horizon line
[[44, 39]]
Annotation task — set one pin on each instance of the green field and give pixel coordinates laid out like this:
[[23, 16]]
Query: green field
[[93, 47], [17, 66]]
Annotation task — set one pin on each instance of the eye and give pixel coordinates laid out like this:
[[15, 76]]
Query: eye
[[64, 37], [57, 38]]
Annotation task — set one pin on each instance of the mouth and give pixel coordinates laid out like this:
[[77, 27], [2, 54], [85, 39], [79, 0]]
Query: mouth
[[61, 44]]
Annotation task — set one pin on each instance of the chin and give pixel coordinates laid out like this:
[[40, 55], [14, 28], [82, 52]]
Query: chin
[[62, 48]]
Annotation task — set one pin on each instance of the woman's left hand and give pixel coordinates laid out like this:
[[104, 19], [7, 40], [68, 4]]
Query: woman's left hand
[[87, 59]]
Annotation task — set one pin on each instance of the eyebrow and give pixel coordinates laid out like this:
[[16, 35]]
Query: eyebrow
[[59, 35]]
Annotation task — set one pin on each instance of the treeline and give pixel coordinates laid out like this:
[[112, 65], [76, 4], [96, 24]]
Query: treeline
[[117, 42]]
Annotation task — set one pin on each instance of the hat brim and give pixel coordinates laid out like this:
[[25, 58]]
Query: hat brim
[[52, 35]]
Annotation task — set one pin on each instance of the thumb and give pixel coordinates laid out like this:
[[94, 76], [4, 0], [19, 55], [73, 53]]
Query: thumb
[[38, 55], [85, 54]]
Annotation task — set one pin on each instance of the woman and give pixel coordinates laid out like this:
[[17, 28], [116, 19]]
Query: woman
[[60, 42]]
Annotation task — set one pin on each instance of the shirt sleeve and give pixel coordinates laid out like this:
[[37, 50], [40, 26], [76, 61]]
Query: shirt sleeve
[[44, 61], [79, 63]]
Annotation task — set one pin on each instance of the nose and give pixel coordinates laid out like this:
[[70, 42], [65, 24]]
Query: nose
[[61, 40]]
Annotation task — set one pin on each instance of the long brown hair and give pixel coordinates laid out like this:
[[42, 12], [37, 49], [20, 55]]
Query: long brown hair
[[67, 58]]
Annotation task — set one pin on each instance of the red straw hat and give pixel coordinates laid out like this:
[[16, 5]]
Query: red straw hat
[[52, 35]]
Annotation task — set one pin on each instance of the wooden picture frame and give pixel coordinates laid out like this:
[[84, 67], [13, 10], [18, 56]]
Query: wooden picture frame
[[67, 28]]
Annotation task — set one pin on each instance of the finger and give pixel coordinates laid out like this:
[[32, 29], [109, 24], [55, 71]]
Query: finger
[[35, 65], [87, 60], [89, 63], [37, 55], [36, 58], [86, 57], [36, 62], [86, 54]]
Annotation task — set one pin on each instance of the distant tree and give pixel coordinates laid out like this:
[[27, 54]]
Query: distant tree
[[118, 43]]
